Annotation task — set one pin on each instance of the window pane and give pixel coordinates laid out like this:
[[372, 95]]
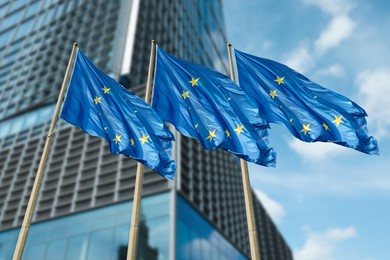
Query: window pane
[[56, 249], [24, 29], [119, 249], [34, 252], [77, 247], [5, 37], [16, 5], [100, 246], [183, 239], [12, 19], [33, 9]]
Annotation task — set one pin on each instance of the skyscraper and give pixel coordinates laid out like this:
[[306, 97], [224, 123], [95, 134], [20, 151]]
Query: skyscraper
[[84, 205]]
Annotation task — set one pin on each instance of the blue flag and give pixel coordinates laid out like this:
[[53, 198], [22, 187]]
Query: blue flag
[[102, 107], [206, 105], [310, 111]]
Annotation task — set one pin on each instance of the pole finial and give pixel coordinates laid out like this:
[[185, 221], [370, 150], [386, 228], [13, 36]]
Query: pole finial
[[229, 44], [75, 44], [154, 41]]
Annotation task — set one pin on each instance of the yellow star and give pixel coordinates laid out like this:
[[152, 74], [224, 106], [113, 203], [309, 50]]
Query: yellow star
[[239, 129], [315, 96], [132, 142], [196, 126], [97, 100], [305, 129], [291, 120], [279, 80], [211, 135], [185, 94], [229, 98], [105, 129], [227, 133], [337, 120], [144, 139], [117, 138], [326, 127], [273, 93], [194, 82], [106, 90]]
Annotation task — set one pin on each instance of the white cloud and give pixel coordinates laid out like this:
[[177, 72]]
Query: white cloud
[[317, 151], [334, 70], [300, 59], [322, 245], [266, 45], [274, 208], [333, 7], [373, 95], [339, 28]]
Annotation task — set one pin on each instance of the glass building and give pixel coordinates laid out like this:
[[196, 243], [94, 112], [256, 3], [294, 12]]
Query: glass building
[[84, 205]]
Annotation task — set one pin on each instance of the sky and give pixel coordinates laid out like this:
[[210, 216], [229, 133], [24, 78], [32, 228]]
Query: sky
[[329, 202]]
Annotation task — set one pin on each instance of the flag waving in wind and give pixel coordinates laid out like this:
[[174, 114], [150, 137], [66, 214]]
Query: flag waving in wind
[[101, 107], [206, 105], [310, 111]]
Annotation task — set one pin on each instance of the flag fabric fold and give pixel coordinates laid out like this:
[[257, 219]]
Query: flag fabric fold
[[206, 105], [311, 112], [102, 107]]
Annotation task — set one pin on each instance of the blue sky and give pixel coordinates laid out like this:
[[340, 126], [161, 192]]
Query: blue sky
[[329, 202]]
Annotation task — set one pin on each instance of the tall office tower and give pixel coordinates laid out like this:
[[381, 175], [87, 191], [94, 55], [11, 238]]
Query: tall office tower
[[84, 205]]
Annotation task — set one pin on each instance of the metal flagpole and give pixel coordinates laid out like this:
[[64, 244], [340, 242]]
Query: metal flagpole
[[38, 177], [133, 237], [250, 214]]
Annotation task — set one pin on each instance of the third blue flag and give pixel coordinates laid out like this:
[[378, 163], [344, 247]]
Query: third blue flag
[[310, 111]]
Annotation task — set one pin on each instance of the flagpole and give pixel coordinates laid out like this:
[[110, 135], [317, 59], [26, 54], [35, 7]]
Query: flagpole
[[133, 236], [250, 214], [38, 177]]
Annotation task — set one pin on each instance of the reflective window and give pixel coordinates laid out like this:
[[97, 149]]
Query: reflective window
[[197, 239], [24, 28], [33, 8], [10, 58], [6, 37], [77, 247], [12, 19], [100, 244], [119, 249], [26, 120], [34, 252], [3, 8], [96, 234], [15, 5], [56, 249], [48, 17]]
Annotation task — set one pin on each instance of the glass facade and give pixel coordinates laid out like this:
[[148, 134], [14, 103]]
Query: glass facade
[[35, 42], [97, 234], [103, 234]]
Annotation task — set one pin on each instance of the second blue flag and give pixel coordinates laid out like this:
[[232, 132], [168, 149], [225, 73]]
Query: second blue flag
[[206, 105]]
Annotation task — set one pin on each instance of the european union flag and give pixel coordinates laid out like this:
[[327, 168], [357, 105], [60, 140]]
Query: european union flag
[[101, 107], [310, 111], [206, 105]]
